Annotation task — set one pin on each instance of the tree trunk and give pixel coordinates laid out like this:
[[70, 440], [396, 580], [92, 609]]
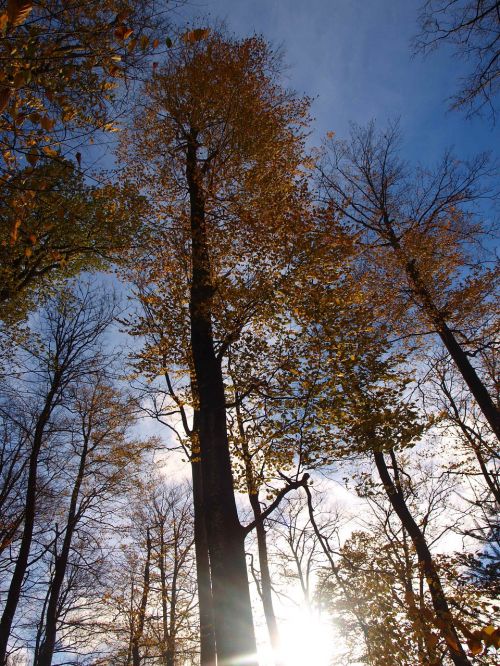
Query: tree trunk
[[425, 650], [465, 367], [265, 575], [46, 652], [470, 376], [439, 602], [139, 630], [164, 605], [234, 631], [205, 602], [253, 496], [21, 566], [436, 317], [351, 598]]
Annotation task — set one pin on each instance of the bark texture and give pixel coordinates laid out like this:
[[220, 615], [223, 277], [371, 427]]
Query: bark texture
[[234, 631]]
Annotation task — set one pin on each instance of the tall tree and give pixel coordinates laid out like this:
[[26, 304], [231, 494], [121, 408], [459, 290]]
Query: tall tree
[[71, 328], [239, 173], [420, 235], [100, 461]]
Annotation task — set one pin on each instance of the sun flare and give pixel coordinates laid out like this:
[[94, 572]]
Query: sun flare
[[306, 639]]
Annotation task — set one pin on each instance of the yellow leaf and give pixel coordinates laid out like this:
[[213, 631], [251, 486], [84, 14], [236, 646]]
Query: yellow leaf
[[4, 19], [489, 630], [109, 127], [50, 152]]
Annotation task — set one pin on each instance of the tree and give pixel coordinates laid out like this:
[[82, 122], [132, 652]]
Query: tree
[[154, 596], [67, 69], [100, 461], [459, 418], [62, 62], [54, 225], [420, 235], [239, 171], [380, 420], [473, 29], [71, 327]]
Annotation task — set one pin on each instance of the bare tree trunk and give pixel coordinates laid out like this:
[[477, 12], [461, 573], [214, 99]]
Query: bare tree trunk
[[443, 615], [351, 598], [265, 575], [139, 629], [164, 605], [46, 652], [234, 630], [21, 566], [205, 601]]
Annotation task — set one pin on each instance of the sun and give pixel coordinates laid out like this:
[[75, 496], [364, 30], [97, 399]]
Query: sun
[[306, 638]]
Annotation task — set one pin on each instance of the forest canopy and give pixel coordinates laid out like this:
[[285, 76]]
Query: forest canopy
[[249, 392]]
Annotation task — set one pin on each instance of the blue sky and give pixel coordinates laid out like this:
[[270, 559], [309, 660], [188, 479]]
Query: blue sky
[[354, 58]]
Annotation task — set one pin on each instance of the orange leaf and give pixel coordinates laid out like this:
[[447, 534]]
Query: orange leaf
[[50, 152], [5, 94], [47, 123], [18, 11], [15, 231], [196, 35], [475, 646], [19, 79], [123, 32]]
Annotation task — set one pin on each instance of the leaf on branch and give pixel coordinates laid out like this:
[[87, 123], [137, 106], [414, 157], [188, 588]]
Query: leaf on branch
[[50, 152], [123, 32], [15, 231], [475, 645], [193, 36]]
